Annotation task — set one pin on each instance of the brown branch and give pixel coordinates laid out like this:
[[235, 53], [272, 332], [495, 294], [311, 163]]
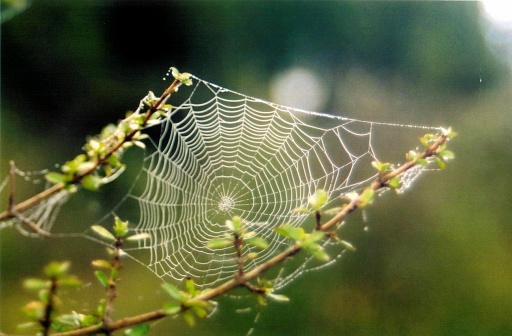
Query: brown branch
[[243, 279], [36, 199], [10, 204], [381, 182]]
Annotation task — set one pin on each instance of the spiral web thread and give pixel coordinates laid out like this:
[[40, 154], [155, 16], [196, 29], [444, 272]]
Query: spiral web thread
[[221, 154]]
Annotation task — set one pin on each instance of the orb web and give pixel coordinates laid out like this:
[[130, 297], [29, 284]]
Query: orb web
[[220, 154]]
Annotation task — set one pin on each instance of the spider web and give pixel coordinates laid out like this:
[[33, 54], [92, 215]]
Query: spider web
[[220, 154]]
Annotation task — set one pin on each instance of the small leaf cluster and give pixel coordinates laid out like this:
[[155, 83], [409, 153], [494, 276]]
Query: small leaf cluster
[[265, 290], [121, 230], [383, 168], [42, 312], [442, 154], [184, 78], [237, 233], [101, 161], [307, 241], [184, 302], [316, 202]]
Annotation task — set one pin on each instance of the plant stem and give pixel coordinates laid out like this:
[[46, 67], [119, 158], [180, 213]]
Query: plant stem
[[47, 320], [36, 199]]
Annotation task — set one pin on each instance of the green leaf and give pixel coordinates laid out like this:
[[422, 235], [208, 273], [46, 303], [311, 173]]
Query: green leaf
[[318, 252], [26, 325], [448, 133], [175, 72], [54, 177], [173, 291], [366, 197], [219, 243], [86, 167], [257, 242], [103, 233], [190, 286], [411, 155], [108, 130], [102, 307], [289, 231], [71, 319], [34, 310], [189, 318], [102, 278], [139, 236], [101, 264], [440, 162], [277, 297], [138, 330], [236, 224], [447, 154], [318, 199], [171, 308], [380, 166], [57, 269], [114, 161], [261, 300], [71, 188], [91, 182], [199, 311], [140, 144], [394, 183], [313, 237], [36, 284], [114, 273], [420, 161], [70, 281], [120, 227], [70, 167]]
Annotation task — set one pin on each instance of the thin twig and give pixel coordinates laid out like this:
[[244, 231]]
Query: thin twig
[[11, 186], [112, 286], [239, 257], [32, 225]]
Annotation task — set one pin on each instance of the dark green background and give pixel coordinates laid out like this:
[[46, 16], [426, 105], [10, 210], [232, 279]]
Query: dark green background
[[436, 260]]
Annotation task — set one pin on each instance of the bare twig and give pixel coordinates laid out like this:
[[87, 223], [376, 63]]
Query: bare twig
[[11, 186]]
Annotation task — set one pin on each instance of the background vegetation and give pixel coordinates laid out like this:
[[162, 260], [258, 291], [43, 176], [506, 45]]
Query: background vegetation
[[435, 261]]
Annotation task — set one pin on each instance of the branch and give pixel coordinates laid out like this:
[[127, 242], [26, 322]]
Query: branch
[[382, 182], [13, 209], [242, 280]]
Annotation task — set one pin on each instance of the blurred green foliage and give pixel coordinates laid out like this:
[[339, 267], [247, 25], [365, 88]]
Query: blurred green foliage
[[435, 261]]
